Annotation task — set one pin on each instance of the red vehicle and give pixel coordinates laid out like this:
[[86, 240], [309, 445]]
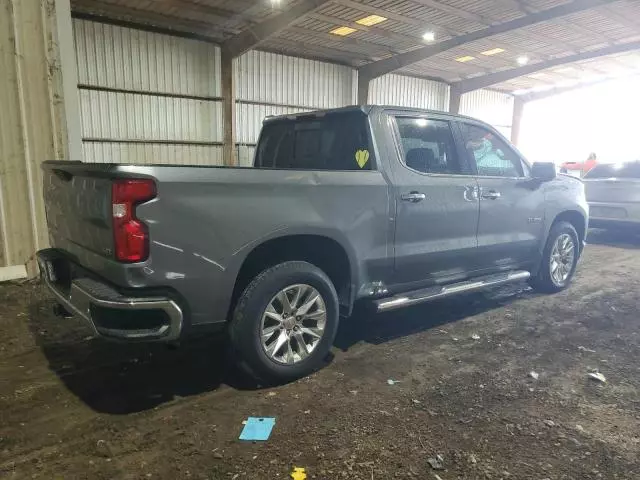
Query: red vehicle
[[582, 167]]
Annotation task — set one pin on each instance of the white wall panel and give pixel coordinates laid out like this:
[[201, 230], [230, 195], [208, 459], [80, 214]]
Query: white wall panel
[[245, 155], [147, 97], [152, 153], [272, 84], [495, 108], [130, 59], [406, 91], [249, 119], [125, 116], [280, 79]]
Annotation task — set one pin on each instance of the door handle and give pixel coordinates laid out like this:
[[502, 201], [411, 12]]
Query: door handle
[[471, 193], [413, 197], [491, 195]]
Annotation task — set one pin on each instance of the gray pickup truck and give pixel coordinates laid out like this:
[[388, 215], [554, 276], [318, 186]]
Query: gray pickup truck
[[389, 205]]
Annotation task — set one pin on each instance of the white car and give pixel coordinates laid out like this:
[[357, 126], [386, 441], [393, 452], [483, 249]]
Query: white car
[[613, 194]]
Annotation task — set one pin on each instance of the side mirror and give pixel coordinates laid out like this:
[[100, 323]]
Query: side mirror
[[543, 171]]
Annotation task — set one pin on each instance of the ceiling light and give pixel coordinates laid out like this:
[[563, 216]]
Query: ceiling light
[[522, 60], [493, 51], [429, 36], [371, 20], [343, 31], [520, 91], [464, 59]]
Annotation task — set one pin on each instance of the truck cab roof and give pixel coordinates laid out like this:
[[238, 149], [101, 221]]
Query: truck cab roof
[[367, 110]]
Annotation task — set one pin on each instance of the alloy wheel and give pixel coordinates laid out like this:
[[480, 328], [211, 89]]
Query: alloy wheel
[[293, 324], [563, 256]]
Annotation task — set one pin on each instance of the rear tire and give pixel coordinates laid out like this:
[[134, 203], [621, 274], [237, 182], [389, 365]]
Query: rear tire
[[559, 259], [277, 342]]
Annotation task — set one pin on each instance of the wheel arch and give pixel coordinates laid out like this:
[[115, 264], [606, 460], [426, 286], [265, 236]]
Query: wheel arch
[[331, 255], [575, 218]]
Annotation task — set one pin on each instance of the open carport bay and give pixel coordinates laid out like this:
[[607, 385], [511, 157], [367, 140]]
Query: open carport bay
[[74, 407]]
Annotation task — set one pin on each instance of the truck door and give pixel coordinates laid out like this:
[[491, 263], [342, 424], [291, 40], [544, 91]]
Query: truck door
[[511, 205], [436, 204]]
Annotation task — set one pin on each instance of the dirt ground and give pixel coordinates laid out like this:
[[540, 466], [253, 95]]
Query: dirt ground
[[73, 407]]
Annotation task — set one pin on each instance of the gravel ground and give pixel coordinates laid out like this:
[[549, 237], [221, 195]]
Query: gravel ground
[[465, 401]]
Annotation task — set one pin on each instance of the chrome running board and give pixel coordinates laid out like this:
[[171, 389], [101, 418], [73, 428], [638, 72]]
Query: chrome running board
[[433, 293]]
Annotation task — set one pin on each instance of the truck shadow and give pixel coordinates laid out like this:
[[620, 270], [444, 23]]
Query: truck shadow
[[124, 378], [367, 326]]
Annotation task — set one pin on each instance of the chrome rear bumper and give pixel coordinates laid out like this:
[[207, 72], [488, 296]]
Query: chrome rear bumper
[[85, 298]]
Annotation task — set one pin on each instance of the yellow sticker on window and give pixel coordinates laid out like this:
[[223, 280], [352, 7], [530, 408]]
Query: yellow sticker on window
[[362, 157]]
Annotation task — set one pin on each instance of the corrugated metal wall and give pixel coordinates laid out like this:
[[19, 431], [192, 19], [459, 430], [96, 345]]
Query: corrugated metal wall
[[153, 98], [272, 84], [147, 97], [405, 91], [495, 108]]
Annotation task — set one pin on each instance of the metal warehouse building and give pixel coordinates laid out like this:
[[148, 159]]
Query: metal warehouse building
[[190, 81]]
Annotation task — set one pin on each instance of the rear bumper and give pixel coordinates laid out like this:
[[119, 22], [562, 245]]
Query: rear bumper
[[612, 214], [107, 310]]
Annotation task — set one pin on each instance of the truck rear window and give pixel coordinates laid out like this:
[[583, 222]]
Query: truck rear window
[[332, 142], [626, 170]]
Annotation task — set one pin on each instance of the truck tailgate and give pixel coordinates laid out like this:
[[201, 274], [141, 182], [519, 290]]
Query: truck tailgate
[[78, 206], [612, 190]]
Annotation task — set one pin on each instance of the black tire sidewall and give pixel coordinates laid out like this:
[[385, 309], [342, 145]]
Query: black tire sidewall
[[247, 319], [544, 281]]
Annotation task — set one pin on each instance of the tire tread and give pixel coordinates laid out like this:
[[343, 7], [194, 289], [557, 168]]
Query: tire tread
[[240, 322], [542, 281]]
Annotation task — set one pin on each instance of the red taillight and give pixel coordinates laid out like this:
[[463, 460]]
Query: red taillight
[[130, 235]]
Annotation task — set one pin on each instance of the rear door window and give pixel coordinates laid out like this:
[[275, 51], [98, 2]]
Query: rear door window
[[337, 141], [428, 145]]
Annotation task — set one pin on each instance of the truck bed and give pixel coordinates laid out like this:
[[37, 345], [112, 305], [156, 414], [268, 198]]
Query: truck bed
[[205, 220]]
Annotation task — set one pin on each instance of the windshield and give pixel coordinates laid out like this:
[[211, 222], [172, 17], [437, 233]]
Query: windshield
[[625, 170]]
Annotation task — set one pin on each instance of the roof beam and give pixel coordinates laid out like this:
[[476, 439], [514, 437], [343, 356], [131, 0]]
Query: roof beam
[[254, 35], [438, 28], [523, 7], [499, 77], [106, 12], [387, 65], [315, 52]]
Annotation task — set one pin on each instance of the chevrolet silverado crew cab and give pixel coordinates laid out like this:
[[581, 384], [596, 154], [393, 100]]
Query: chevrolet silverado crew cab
[[394, 206]]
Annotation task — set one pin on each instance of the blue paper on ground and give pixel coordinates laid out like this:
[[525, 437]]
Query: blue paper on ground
[[257, 428]]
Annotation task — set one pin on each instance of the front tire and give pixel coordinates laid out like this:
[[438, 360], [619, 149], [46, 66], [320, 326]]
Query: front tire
[[285, 322], [559, 259]]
